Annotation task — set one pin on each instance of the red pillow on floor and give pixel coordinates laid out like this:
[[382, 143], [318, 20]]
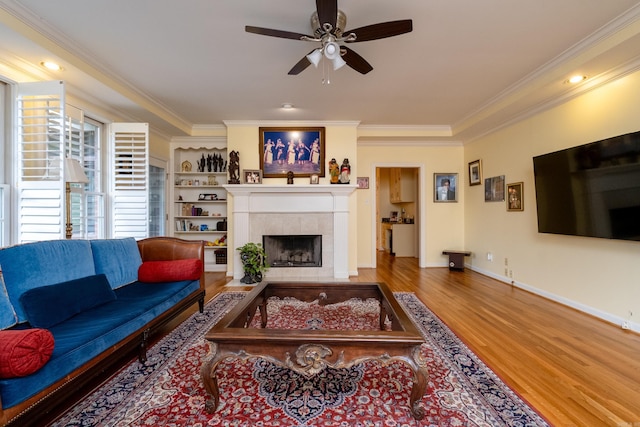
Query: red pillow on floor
[[170, 271], [23, 352]]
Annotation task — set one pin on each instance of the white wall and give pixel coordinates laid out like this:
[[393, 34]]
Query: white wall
[[598, 276]]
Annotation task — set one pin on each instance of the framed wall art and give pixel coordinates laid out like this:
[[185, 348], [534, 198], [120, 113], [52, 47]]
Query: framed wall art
[[494, 189], [475, 172], [445, 187], [252, 176], [300, 150], [515, 197], [363, 182]]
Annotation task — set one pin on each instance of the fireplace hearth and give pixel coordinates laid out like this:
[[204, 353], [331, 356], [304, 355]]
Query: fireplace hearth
[[293, 250]]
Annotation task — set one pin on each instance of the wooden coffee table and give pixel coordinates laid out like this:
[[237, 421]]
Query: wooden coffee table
[[311, 351]]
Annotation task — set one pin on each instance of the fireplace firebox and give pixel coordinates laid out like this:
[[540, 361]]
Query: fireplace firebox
[[293, 250]]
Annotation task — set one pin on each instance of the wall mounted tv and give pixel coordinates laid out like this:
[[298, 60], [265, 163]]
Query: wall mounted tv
[[591, 190]]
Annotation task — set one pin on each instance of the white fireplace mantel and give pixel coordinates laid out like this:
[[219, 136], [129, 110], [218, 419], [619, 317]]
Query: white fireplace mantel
[[253, 199]]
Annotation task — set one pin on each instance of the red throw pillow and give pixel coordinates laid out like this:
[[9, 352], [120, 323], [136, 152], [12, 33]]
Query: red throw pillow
[[23, 352], [170, 271]]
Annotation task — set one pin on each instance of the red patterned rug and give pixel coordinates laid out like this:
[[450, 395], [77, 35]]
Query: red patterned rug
[[168, 391]]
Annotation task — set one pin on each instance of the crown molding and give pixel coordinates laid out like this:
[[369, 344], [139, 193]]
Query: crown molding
[[26, 23], [292, 123]]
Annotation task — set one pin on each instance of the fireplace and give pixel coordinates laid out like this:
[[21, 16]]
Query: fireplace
[[293, 250], [277, 210]]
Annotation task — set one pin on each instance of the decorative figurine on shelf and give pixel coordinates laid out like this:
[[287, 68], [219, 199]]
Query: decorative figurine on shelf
[[234, 167], [201, 163], [333, 171], [210, 163], [290, 177], [186, 166], [345, 172]]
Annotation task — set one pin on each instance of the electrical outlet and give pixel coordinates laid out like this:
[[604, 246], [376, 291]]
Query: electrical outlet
[[506, 272], [506, 262], [489, 256], [625, 325]]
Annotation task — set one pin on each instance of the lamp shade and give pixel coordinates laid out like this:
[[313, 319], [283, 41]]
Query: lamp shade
[[73, 171], [315, 57], [338, 62]]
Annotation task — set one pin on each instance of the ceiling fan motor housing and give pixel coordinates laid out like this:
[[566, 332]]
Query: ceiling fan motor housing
[[318, 29]]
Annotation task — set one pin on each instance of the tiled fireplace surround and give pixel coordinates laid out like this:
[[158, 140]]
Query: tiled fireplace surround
[[294, 209]]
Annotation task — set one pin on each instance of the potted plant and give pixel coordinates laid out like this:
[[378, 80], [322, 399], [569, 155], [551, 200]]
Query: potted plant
[[254, 263]]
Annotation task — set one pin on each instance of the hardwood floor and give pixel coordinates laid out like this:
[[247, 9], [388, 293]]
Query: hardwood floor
[[576, 370]]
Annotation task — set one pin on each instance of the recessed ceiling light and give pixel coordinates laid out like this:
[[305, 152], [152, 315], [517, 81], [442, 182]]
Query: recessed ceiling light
[[287, 106], [576, 79], [51, 66]]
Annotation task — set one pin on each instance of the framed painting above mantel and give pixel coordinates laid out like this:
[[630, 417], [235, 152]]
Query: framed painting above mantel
[[300, 150]]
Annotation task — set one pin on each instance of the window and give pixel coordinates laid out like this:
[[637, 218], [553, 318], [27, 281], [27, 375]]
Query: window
[[157, 212], [4, 189], [87, 200], [48, 131]]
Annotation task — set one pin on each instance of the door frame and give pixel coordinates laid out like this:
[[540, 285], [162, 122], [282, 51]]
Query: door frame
[[422, 211]]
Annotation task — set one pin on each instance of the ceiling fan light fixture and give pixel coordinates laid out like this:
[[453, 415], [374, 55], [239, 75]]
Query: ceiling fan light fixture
[[332, 50], [338, 62], [315, 57]]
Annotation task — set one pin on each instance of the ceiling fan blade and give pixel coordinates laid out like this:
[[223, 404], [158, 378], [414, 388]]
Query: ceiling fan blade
[[300, 66], [356, 61], [327, 12], [381, 30], [275, 33]]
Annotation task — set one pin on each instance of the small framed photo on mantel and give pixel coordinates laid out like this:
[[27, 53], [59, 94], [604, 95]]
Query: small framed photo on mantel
[[252, 176]]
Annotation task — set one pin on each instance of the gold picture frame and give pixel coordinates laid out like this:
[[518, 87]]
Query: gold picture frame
[[445, 187], [300, 150], [515, 197]]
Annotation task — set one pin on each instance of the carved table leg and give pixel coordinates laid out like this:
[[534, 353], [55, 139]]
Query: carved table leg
[[383, 316], [420, 380], [208, 374], [263, 314]]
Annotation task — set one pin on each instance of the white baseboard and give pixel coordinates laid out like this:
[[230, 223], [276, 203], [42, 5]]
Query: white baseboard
[[608, 317]]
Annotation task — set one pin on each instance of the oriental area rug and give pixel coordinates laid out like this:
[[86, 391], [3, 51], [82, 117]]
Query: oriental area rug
[[168, 391]]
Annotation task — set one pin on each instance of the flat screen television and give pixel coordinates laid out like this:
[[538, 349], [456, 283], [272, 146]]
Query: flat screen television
[[591, 190]]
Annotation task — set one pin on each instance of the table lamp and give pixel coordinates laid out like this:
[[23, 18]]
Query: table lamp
[[73, 173]]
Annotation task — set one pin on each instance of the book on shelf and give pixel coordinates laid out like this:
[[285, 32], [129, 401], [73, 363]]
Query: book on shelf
[[183, 225]]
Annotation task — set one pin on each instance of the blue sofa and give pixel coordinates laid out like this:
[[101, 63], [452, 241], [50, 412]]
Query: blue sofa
[[87, 295]]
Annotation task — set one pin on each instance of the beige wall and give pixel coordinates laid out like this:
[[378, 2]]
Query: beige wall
[[599, 276], [441, 225]]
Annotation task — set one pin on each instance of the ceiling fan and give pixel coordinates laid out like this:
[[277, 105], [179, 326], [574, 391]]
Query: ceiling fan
[[328, 25]]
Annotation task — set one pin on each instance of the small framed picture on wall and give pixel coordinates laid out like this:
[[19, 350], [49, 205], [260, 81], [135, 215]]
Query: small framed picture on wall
[[445, 186], [515, 196], [475, 172]]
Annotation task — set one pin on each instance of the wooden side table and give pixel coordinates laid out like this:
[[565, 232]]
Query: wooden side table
[[456, 259]]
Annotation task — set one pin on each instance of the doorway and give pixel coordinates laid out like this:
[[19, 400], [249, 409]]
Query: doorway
[[398, 195]]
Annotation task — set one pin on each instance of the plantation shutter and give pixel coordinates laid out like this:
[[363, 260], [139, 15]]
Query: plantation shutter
[[130, 180], [39, 167]]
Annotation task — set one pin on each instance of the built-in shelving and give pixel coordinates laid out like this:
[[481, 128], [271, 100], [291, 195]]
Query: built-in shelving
[[199, 211]]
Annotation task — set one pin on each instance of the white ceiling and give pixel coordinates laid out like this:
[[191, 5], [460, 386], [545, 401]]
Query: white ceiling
[[467, 67]]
